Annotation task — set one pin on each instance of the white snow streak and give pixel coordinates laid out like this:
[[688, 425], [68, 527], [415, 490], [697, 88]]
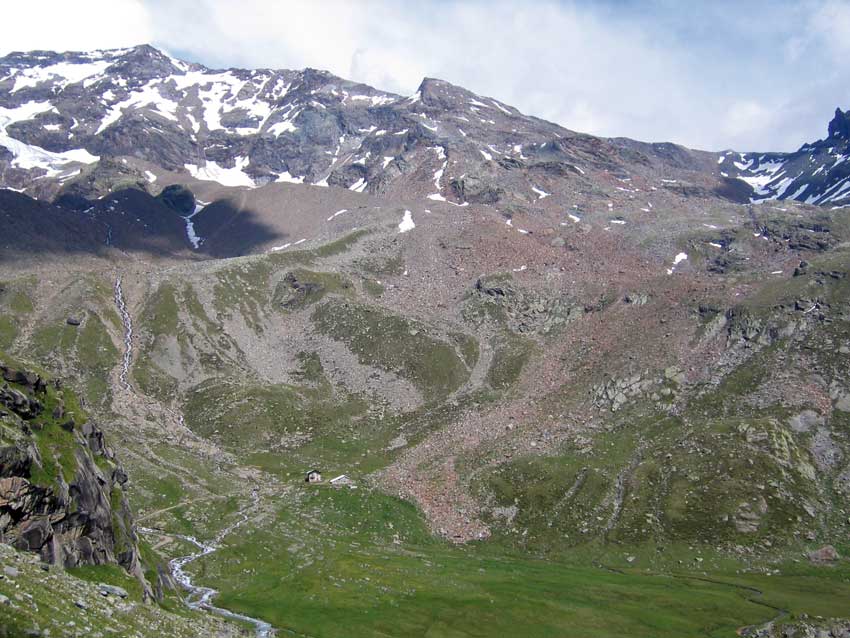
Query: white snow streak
[[540, 193]]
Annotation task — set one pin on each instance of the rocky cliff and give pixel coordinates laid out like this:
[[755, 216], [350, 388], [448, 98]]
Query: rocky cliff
[[61, 491]]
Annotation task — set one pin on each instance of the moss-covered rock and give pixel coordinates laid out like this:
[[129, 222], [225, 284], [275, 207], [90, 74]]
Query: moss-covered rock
[[60, 486]]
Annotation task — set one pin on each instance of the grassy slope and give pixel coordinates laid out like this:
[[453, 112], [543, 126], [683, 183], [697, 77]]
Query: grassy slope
[[46, 601], [355, 563], [333, 565], [359, 563]]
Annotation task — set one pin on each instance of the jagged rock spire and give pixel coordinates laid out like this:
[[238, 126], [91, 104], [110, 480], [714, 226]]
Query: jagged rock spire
[[840, 124]]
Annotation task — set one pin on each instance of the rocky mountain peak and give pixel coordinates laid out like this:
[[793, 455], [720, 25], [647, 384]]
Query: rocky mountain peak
[[432, 92], [443, 95], [839, 126], [144, 62]]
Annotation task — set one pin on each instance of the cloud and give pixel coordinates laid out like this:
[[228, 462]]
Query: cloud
[[829, 26], [745, 116], [59, 25], [757, 75], [655, 70]]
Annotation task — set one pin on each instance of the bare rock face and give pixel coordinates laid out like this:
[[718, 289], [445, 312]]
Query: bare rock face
[[839, 126], [61, 490], [749, 515]]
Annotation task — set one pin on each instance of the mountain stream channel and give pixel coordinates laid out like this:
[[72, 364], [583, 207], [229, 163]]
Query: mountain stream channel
[[198, 597]]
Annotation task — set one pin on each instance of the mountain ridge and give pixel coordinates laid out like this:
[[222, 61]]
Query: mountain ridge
[[245, 127]]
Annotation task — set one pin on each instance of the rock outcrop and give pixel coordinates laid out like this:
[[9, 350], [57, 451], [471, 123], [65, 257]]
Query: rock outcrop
[[839, 126], [61, 491]]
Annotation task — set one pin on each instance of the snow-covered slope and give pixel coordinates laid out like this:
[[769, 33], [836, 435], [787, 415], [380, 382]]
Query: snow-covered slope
[[77, 124], [60, 112], [818, 173], [238, 127]]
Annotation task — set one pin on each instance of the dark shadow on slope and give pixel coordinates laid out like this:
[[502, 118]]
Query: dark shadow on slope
[[229, 230], [735, 190], [29, 227], [127, 220], [139, 222]]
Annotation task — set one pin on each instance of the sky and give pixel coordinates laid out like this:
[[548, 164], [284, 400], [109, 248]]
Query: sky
[[753, 75]]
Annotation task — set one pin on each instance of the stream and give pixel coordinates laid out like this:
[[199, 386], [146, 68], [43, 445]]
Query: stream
[[128, 333], [198, 597]]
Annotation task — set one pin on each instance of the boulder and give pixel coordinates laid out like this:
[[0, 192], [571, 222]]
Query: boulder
[[25, 407], [825, 554], [749, 515], [805, 421], [15, 460], [636, 298], [842, 402], [112, 590], [476, 190], [348, 176]]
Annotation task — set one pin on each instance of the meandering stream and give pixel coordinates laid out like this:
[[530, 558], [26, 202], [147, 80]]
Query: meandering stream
[[199, 597]]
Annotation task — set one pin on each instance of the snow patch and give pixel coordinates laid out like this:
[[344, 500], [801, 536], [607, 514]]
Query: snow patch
[[211, 171], [278, 128], [64, 73], [191, 235], [500, 107], [148, 96], [406, 223], [289, 179], [540, 193], [28, 156]]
